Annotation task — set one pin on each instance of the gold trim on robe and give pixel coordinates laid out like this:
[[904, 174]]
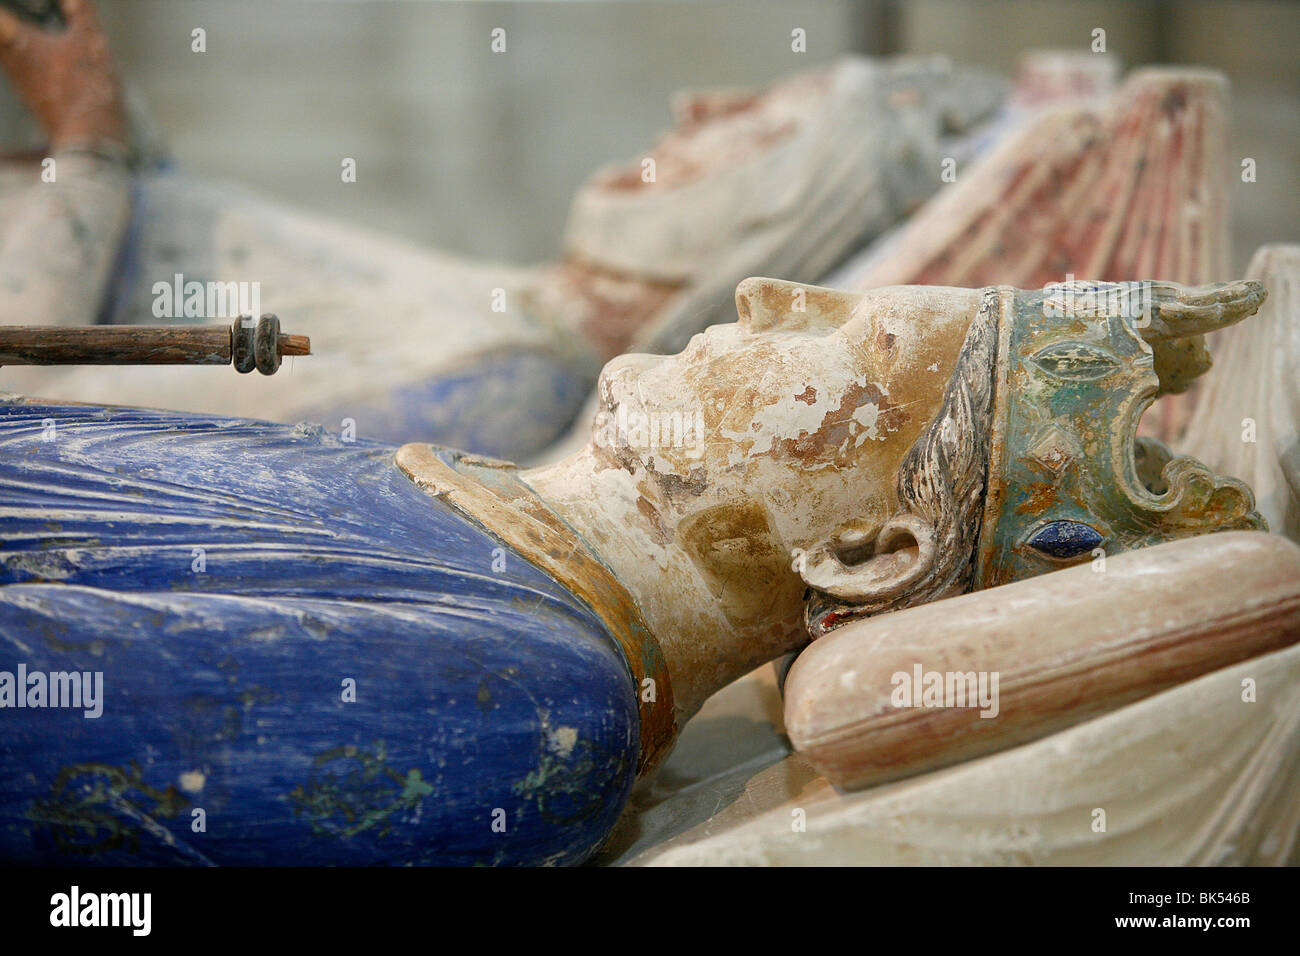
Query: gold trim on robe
[[487, 492]]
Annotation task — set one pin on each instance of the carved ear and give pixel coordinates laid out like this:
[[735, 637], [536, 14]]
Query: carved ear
[[765, 303], [899, 556]]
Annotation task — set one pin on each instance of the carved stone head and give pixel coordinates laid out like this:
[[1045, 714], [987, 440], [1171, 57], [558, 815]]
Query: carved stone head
[[907, 443]]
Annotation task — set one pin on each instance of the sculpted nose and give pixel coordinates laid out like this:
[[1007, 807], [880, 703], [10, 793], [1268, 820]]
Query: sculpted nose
[[764, 304]]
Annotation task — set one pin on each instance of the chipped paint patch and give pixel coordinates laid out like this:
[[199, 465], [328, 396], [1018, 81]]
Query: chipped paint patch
[[562, 739]]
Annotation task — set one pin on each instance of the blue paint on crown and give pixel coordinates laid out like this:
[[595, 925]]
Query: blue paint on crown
[[1065, 539]]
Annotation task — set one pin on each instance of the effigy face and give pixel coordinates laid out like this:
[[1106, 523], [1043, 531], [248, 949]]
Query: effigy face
[[907, 443], [811, 399]]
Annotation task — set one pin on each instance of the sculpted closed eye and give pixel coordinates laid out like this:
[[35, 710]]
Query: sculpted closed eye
[[1075, 361], [1065, 539]]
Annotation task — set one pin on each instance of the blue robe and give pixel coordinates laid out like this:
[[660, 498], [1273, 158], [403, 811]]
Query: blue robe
[[305, 658]]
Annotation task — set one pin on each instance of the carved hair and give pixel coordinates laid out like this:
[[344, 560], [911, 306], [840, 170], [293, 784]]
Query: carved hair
[[941, 494]]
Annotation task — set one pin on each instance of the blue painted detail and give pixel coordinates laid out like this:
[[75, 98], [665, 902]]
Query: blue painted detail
[[509, 404], [1065, 539], [223, 680]]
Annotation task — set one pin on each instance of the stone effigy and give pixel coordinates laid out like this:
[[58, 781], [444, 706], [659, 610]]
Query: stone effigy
[[1243, 423], [348, 653], [314, 648], [1215, 753], [413, 344]]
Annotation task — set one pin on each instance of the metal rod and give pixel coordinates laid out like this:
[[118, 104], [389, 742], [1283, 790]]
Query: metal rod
[[245, 344]]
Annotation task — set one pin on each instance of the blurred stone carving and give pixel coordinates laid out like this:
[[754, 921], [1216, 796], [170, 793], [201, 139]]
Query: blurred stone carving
[[1247, 413]]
